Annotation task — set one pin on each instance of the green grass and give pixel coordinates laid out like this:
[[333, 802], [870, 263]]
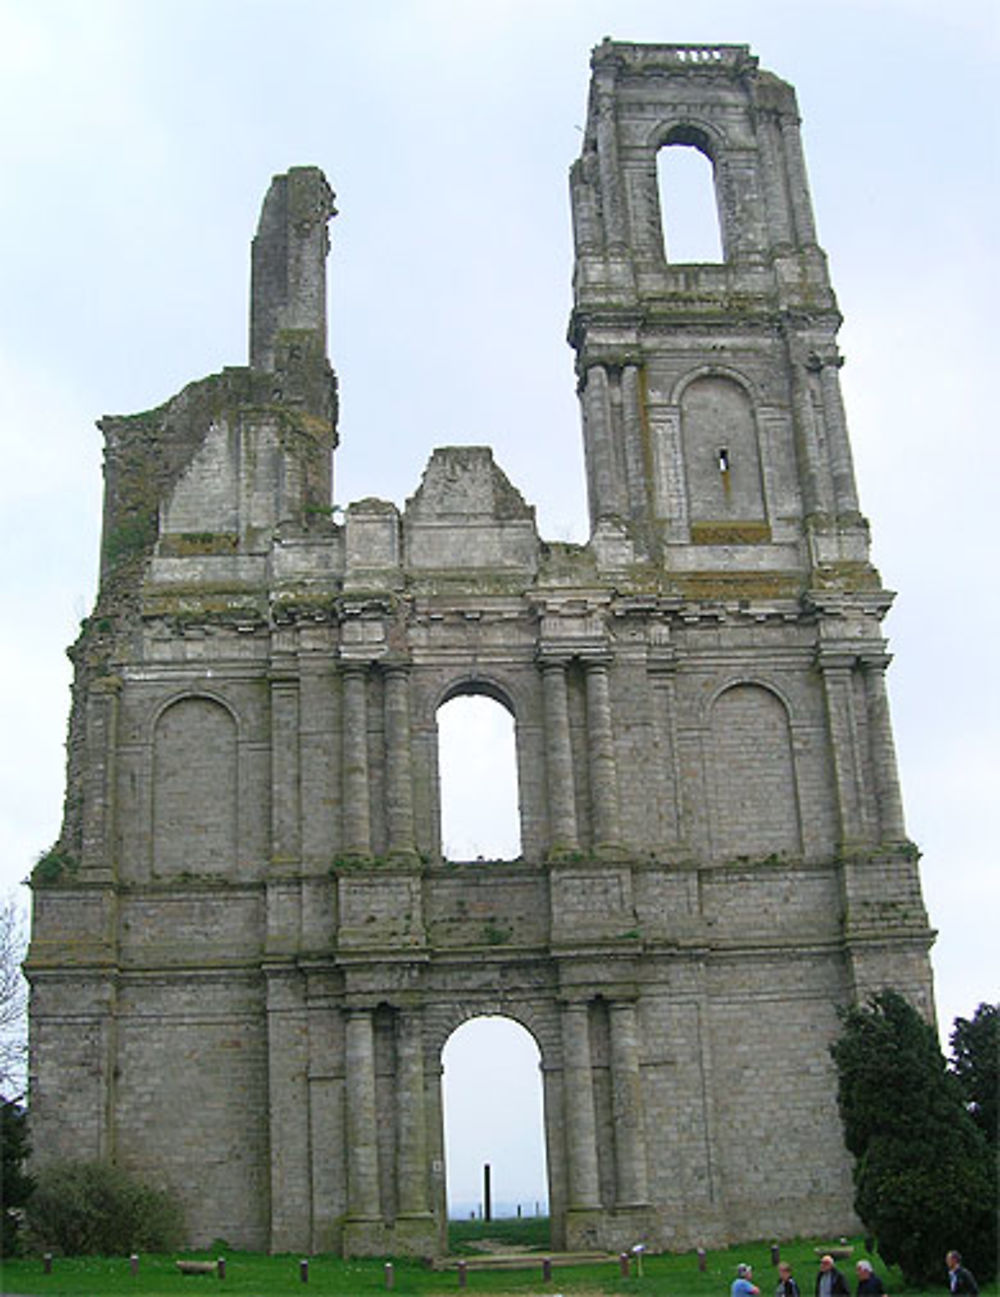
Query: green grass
[[252, 1273]]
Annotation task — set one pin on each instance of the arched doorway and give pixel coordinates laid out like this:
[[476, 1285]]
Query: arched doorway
[[491, 1094]]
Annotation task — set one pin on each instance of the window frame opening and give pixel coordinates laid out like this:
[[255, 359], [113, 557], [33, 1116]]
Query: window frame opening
[[688, 200], [487, 774]]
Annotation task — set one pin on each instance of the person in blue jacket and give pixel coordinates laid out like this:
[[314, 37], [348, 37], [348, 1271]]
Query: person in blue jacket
[[743, 1285]]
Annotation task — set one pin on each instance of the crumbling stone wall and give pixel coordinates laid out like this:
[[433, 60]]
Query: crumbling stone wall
[[248, 951]]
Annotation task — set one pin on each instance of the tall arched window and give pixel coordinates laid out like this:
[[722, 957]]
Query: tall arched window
[[477, 768], [755, 809], [194, 789], [493, 1115], [688, 205]]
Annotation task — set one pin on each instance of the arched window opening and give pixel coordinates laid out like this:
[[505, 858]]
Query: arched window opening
[[493, 1116], [688, 205], [477, 769]]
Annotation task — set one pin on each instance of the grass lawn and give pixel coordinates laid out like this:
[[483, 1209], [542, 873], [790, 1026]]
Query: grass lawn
[[252, 1273]]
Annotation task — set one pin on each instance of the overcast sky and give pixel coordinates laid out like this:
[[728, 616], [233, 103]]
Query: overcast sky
[[137, 139]]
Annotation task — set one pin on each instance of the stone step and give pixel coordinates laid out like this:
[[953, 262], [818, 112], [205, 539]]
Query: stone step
[[522, 1260]]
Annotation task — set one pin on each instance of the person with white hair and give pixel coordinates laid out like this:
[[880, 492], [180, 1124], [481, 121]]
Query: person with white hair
[[869, 1284], [829, 1281]]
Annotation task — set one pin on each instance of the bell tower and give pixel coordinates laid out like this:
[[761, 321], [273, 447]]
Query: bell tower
[[713, 427]]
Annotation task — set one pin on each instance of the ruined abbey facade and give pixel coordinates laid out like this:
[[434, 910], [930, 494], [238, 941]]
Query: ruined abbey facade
[[248, 951]]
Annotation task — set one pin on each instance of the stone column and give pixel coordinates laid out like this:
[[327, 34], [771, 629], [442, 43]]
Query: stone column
[[883, 751], [603, 767], [559, 759], [398, 769], [841, 463], [356, 808], [837, 685], [631, 1181], [578, 1104], [411, 1118], [362, 1139]]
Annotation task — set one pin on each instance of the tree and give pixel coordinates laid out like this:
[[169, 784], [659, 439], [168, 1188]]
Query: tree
[[15, 1185], [13, 998], [975, 1061], [923, 1172]]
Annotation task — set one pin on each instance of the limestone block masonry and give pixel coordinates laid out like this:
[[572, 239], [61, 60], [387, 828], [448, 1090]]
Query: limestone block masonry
[[248, 951]]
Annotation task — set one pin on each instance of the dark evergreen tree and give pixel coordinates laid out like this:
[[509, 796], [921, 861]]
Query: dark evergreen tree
[[15, 1184], [923, 1172], [975, 1061]]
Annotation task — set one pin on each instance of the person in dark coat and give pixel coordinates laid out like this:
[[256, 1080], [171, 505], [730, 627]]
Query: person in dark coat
[[869, 1284], [830, 1282], [960, 1280], [787, 1287]]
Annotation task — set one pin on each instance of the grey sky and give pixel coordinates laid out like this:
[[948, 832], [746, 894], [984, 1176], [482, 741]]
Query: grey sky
[[137, 139]]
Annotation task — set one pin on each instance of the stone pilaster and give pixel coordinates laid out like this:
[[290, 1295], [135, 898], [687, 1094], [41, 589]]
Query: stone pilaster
[[607, 489], [798, 185], [356, 805], [892, 826], [288, 1106], [399, 775], [578, 1105], [411, 1117], [601, 750], [631, 1178], [836, 670], [286, 819], [97, 855], [362, 1140], [841, 463], [563, 833]]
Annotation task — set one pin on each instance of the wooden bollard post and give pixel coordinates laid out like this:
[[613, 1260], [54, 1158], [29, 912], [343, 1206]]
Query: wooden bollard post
[[304, 1270], [623, 1264], [390, 1275], [220, 1267], [463, 1274], [47, 1263], [546, 1269], [701, 1259], [133, 1263]]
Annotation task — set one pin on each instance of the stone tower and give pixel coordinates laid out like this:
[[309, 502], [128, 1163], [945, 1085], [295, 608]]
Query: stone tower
[[248, 952]]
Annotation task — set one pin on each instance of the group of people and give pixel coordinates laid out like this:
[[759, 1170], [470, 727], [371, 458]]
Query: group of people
[[830, 1282]]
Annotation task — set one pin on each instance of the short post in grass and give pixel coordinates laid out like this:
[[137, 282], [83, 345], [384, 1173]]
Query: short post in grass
[[775, 1254], [637, 1252], [133, 1263], [546, 1269], [701, 1259], [47, 1263], [463, 1274], [220, 1267], [623, 1264], [304, 1270], [390, 1275]]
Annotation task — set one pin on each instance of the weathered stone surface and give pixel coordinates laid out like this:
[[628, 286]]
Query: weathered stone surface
[[248, 952]]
